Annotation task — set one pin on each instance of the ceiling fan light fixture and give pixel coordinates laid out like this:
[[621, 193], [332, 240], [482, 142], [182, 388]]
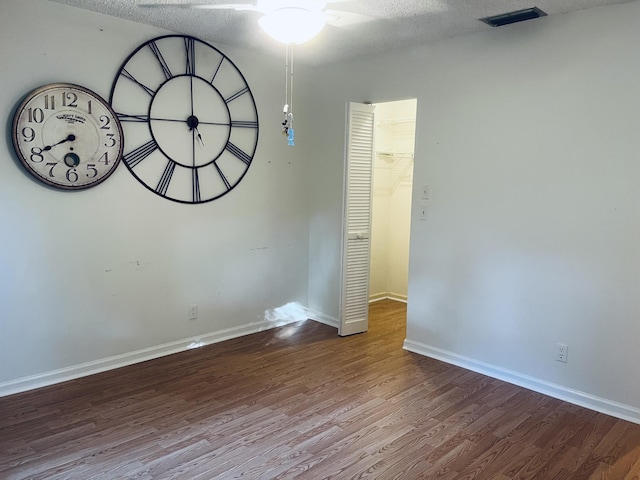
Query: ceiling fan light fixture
[[292, 25]]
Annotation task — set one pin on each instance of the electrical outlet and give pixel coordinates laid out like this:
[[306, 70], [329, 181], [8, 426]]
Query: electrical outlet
[[562, 352], [193, 312]]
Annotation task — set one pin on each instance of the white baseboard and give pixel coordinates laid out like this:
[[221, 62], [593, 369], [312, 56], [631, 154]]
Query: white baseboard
[[398, 297], [592, 402], [117, 361], [322, 318]]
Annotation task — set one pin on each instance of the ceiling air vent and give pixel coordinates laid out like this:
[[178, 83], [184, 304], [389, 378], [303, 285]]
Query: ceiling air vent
[[513, 17]]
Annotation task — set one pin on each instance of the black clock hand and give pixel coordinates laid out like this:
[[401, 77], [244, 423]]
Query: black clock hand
[[199, 136], [158, 119], [191, 92], [70, 138], [192, 123]]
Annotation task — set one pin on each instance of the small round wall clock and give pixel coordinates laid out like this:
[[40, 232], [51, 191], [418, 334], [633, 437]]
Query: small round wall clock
[[189, 117], [67, 136]]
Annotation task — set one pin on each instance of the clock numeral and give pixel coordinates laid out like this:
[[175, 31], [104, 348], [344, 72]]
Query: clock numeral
[[89, 107], [69, 99], [36, 115], [52, 165], [49, 102], [106, 122], [123, 117], [104, 158], [165, 180], [236, 95], [163, 64], [238, 153], [224, 179], [71, 175], [195, 182], [28, 134], [91, 167], [217, 70], [36, 155], [190, 47], [134, 157], [111, 140], [244, 124], [128, 76]]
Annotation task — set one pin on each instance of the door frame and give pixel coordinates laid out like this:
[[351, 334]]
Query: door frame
[[343, 327]]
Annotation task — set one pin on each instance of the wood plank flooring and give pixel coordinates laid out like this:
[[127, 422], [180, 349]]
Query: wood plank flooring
[[301, 402]]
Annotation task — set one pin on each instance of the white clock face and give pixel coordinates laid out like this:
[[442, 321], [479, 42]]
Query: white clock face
[[67, 136], [189, 117]]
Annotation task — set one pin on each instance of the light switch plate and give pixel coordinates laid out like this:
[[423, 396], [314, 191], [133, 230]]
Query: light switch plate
[[423, 211]]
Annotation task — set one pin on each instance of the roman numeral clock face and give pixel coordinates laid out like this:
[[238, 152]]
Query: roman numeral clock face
[[189, 119]]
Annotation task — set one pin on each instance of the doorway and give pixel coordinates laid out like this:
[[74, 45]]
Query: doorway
[[381, 136], [392, 185]]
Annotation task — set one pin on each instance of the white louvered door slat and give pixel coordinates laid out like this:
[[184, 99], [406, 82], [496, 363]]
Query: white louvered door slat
[[354, 312]]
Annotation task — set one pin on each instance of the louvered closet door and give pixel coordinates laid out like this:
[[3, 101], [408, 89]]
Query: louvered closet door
[[354, 312]]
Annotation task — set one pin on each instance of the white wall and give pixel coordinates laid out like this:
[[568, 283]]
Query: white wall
[[391, 199], [529, 137], [85, 276]]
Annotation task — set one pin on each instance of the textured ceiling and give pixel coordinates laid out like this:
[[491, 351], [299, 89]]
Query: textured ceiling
[[388, 24]]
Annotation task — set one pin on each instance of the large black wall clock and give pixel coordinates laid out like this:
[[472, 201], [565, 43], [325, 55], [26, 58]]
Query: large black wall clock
[[67, 136], [189, 118]]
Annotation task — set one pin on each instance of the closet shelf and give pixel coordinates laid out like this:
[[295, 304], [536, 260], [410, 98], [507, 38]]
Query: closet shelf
[[395, 121], [392, 155]]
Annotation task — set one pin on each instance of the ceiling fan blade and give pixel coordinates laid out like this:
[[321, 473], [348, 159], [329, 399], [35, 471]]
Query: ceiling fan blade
[[197, 5], [341, 18], [226, 6], [337, 18]]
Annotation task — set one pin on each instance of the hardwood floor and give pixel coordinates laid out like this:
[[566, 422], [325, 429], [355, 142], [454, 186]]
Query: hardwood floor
[[301, 402]]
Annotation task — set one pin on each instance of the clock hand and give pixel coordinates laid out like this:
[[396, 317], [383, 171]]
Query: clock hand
[[199, 136], [158, 119], [70, 138], [192, 123]]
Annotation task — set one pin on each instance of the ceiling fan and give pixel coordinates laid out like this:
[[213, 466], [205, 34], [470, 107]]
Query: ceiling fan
[[288, 21], [291, 22]]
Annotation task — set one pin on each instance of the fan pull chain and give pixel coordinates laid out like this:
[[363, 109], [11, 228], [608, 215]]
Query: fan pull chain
[[287, 124]]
